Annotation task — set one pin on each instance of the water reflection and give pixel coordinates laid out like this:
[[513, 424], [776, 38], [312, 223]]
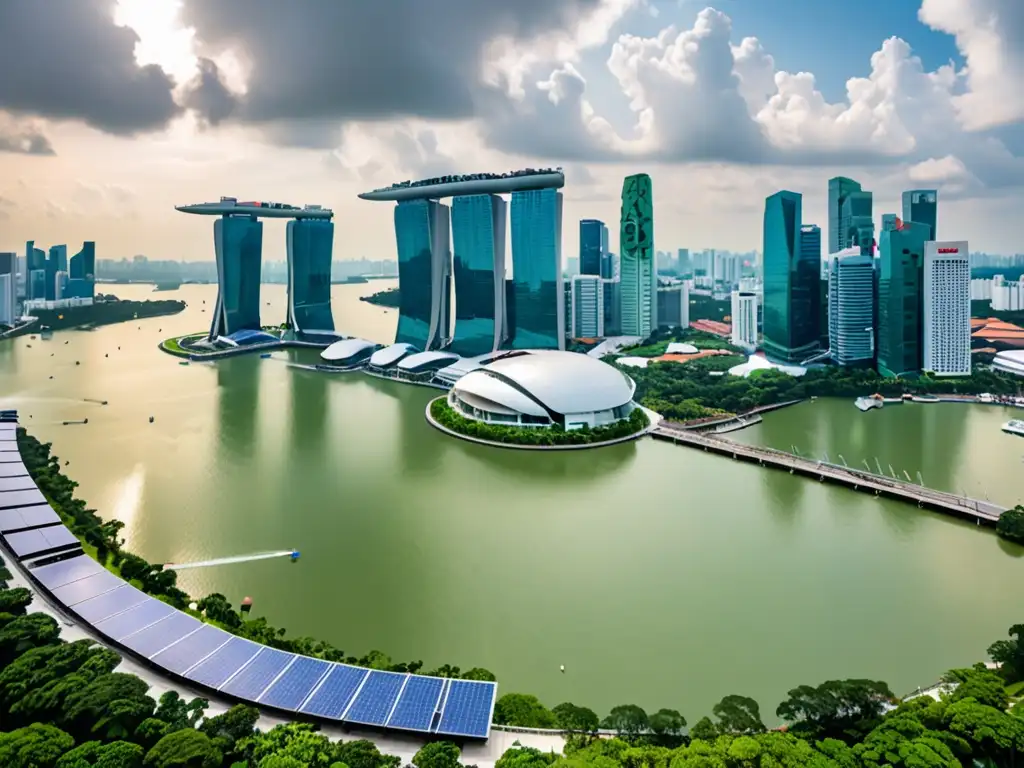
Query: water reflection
[[561, 468], [309, 412], [238, 395], [785, 492]]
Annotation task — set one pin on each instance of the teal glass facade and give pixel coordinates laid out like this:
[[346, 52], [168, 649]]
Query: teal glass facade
[[478, 251], [921, 206], [310, 250], [901, 299], [82, 273], [538, 292], [839, 188], [791, 282], [593, 247], [239, 248], [638, 275], [421, 233], [857, 226]]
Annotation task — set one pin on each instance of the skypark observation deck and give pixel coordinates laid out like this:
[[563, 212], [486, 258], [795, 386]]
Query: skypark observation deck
[[230, 206], [469, 184]]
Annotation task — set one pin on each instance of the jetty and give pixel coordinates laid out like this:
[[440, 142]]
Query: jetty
[[976, 510]]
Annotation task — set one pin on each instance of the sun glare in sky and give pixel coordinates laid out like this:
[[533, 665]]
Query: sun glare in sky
[[162, 39]]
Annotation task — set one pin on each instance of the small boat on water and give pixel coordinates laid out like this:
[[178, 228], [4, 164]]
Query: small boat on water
[[1014, 427], [867, 403], [925, 399]]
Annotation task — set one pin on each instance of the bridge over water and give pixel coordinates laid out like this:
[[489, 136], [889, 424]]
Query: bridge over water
[[867, 482]]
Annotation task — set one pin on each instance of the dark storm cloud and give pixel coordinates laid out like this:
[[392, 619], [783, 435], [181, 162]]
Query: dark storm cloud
[[65, 59], [25, 142], [368, 59], [208, 96]]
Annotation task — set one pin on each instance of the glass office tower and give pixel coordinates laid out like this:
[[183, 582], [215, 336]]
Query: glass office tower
[[857, 226], [851, 307], [82, 273], [921, 206], [593, 247], [839, 188], [810, 252], [538, 288], [424, 273], [238, 242], [637, 271], [478, 240], [56, 261], [791, 282], [310, 248], [901, 299]]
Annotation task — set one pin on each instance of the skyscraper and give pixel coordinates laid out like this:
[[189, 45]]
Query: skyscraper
[[593, 246], [238, 243], [810, 252], [791, 278], [684, 266], [856, 222], [921, 206], [82, 273], [744, 320], [538, 287], [310, 245], [478, 239], [889, 221], [587, 312], [639, 278], [8, 288], [900, 299], [851, 307], [424, 272], [839, 188], [674, 306], [947, 309], [56, 261]]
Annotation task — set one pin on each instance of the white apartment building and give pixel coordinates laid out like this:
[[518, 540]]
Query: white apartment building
[[947, 308], [587, 310], [744, 319]]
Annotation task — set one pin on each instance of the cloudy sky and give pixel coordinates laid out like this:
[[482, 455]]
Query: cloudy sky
[[112, 111]]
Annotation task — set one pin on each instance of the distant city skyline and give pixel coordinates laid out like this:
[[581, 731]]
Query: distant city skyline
[[923, 98]]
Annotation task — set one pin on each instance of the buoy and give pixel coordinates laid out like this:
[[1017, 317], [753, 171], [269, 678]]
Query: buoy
[[246, 604], [295, 555], [562, 669], [193, 606], [77, 363], [151, 419], [106, 354], [51, 377]]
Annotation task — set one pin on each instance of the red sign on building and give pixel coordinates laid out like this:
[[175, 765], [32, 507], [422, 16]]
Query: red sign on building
[[949, 250]]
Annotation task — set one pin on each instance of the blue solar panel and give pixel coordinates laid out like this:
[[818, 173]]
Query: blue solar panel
[[197, 646], [27, 517], [13, 469], [337, 690], [292, 688], [417, 704], [7, 444], [142, 615], [23, 483], [467, 710], [253, 680], [148, 641], [21, 498], [376, 698], [64, 572], [106, 605], [9, 457], [212, 672], [91, 586], [39, 540]]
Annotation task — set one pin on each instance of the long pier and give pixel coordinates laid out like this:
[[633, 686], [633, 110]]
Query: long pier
[[867, 482]]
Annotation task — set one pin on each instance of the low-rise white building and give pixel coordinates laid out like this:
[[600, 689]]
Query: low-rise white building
[[744, 319]]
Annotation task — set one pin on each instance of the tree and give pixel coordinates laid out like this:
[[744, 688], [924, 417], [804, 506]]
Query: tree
[[438, 754], [301, 741], [738, 714], [991, 732], [978, 683], [25, 633], [523, 710], [178, 713], [15, 601], [364, 754], [575, 719], [836, 707], [524, 757], [1011, 524], [228, 729], [704, 730], [184, 749], [1010, 653], [668, 726], [35, 746], [111, 707], [94, 754], [628, 720], [479, 673], [218, 608]]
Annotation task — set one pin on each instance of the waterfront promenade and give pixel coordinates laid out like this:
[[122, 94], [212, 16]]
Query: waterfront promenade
[[868, 482]]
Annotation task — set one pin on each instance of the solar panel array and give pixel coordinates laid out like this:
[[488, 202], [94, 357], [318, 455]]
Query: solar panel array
[[255, 673]]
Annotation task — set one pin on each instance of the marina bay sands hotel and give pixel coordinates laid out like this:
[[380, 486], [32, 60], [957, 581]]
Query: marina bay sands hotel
[[491, 312]]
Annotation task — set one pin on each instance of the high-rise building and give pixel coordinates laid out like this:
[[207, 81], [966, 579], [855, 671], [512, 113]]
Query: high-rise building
[[61, 288], [587, 314], [889, 221], [639, 275], [744, 320], [37, 284], [839, 188], [424, 272], [921, 206], [674, 306], [947, 309], [900, 299], [851, 307], [82, 273], [791, 275], [684, 266], [56, 261], [8, 288], [538, 292], [612, 306], [238, 244], [310, 245], [593, 246], [810, 252], [478, 240], [856, 225]]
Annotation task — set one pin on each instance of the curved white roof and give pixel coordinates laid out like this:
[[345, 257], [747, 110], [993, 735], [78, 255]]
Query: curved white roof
[[412, 362], [760, 362], [481, 386], [564, 382], [346, 348], [392, 354], [678, 348], [1010, 361]]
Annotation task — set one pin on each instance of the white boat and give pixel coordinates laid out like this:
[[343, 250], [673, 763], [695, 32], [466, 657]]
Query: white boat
[[867, 403], [1014, 427], [925, 399]]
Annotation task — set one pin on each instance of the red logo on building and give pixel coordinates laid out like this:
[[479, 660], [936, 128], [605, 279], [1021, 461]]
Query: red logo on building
[[949, 250]]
